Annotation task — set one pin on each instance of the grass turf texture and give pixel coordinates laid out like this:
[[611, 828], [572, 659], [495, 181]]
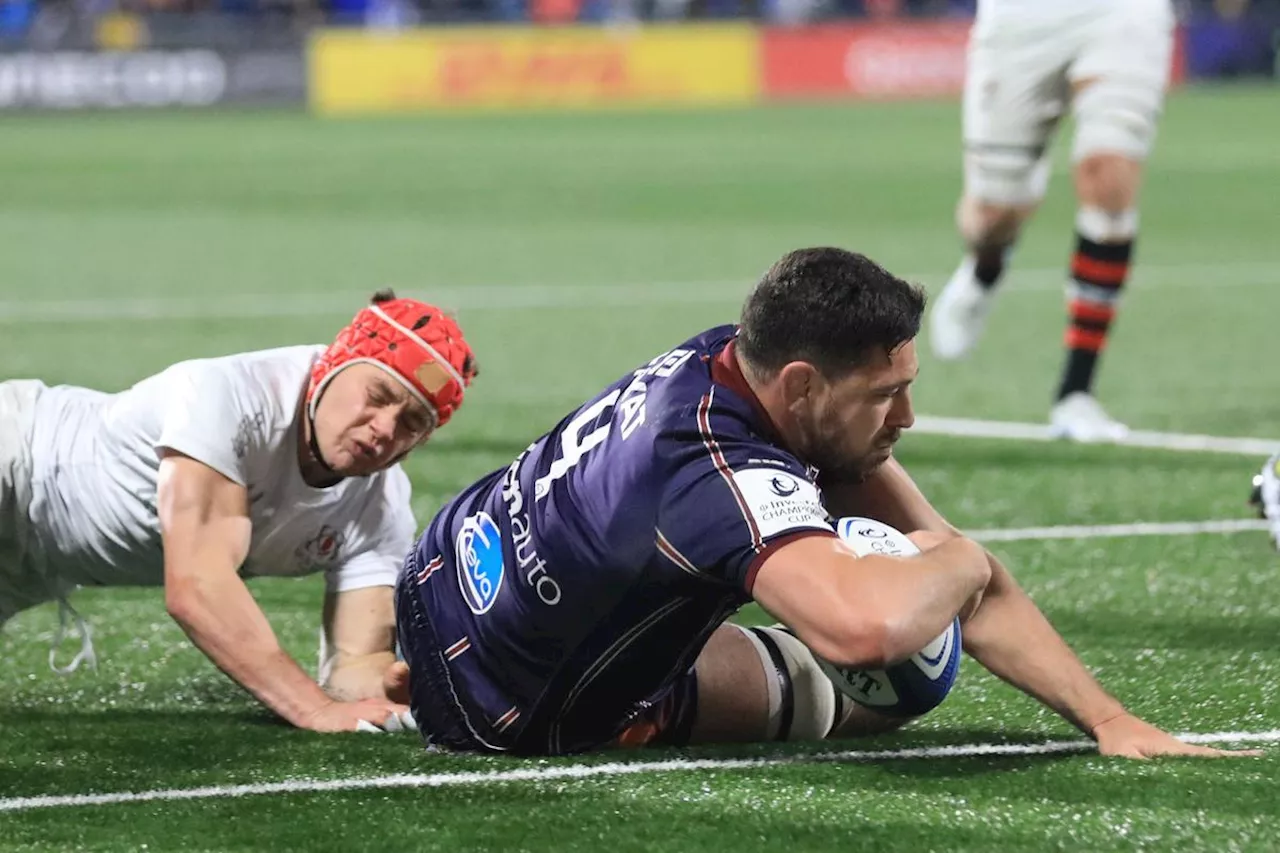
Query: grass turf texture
[[535, 225]]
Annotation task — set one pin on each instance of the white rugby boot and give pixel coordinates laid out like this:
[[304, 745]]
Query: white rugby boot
[[1266, 495], [1080, 417], [960, 313]]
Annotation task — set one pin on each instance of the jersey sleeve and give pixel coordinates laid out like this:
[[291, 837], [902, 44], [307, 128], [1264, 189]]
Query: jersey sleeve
[[208, 418], [730, 503], [382, 537]]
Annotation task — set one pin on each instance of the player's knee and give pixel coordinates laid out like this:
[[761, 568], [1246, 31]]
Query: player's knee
[[1002, 187], [1115, 129], [984, 224], [804, 704], [1108, 181]]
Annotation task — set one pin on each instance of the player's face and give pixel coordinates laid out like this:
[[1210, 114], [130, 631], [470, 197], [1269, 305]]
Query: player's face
[[856, 420], [366, 420]]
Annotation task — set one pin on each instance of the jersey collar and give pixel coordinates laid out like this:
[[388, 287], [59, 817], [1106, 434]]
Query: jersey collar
[[726, 372]]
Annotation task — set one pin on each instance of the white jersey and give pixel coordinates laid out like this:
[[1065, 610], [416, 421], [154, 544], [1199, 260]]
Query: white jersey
[[95, 459]]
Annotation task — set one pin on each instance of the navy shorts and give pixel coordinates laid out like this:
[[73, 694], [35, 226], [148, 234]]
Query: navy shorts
[[449, 719]]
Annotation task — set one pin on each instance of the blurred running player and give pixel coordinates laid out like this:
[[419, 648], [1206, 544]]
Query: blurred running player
[[577, 598], [279, 462], [1266, 495], [1029, 60]]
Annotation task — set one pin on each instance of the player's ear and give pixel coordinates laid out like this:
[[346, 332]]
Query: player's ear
[[798, 381]]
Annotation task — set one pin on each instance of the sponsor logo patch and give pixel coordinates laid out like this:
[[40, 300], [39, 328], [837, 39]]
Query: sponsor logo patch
[[480, 566], [779, 501]]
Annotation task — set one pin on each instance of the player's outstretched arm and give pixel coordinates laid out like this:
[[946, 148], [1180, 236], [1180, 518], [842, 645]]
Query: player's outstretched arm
[[204, 521], [868, 611], [1009, 635]]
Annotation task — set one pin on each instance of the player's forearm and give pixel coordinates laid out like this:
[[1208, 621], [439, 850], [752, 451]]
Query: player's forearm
[[919, 597], [1011, 637], [224, 622], [358, 677], [952, 573]]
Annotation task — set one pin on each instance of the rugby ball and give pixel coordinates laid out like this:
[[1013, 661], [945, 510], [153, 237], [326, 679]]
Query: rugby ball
[[918, 684]]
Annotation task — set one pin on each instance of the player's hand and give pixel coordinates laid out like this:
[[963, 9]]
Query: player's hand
[[1127, 736], [928, 539], [335, 716], [395, 682]]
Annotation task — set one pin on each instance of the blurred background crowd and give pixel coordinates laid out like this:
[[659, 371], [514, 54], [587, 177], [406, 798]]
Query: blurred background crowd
[[1223, 38]]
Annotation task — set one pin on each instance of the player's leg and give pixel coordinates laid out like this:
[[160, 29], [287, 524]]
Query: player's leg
[[1014, 94], [762, 684], [1118, 85], [22, 582]]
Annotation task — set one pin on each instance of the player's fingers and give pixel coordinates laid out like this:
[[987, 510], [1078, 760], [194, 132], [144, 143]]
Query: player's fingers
[[1129, 751], [1197, 751], [1209, 752]]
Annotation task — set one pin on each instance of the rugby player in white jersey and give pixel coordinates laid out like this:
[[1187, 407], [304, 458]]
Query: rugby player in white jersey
[[1029, 61], [280, 462]]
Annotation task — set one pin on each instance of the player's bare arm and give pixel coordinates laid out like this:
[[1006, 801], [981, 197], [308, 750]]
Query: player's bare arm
[[868, 611], [360, 630], [206, 531], [1009, 635]]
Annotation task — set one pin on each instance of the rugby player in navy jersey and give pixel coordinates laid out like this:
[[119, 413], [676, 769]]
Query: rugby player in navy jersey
[[577, 598]]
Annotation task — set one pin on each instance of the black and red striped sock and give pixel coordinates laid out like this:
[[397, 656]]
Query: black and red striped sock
[[1098, 274]]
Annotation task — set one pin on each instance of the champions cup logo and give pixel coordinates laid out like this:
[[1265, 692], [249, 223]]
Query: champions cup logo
[[778, 501], [784, 487], [868, 536], [478, 550]]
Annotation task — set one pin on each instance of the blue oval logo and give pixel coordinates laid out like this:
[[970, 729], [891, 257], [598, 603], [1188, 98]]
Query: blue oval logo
[[478, 551]]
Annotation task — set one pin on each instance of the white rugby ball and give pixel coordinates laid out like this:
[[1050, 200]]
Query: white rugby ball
[[918, 684]]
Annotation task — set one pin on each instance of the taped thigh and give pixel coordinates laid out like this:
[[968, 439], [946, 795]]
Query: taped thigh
[[804, 704], [1013, 100], [1121, 74]]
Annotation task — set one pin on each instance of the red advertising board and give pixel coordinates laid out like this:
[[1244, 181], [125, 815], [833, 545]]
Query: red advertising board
[[870, 61], [883, 60]]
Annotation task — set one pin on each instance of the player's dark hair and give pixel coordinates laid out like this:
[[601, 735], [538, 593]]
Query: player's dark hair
[[832, 308], [384, 295]]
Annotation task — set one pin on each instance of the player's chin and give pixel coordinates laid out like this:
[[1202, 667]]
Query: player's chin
[[346, 464], [359, 468], [876, 458]]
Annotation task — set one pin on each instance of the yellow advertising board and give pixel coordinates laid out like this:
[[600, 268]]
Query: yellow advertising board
[[505, 68]]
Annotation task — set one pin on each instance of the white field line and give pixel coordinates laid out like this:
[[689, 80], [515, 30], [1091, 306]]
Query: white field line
[[525, 297], [587, 771], [971, 428], [1104, 531]]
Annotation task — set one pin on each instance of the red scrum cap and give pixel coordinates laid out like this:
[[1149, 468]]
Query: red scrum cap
[[418, 344]]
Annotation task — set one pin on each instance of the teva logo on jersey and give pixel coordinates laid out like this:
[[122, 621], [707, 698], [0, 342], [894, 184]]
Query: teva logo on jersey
[[780, 501], [480, 565], [532, 568]]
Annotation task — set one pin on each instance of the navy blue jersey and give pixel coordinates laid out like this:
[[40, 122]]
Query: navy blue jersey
[[566, 593]]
